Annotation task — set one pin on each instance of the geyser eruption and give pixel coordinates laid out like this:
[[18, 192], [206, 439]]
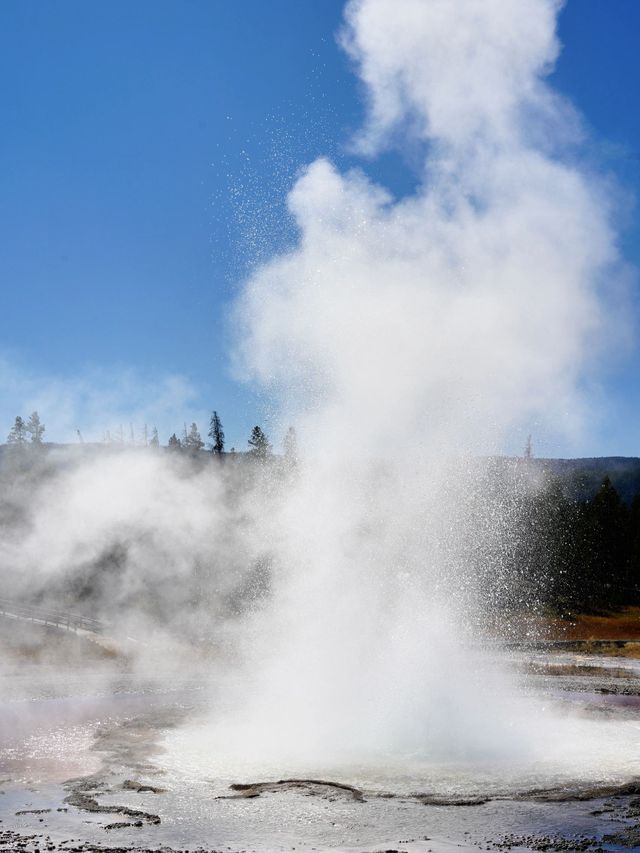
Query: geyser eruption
[[406, 339]]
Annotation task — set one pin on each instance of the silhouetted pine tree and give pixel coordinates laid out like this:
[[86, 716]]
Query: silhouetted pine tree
[[193, 442], [18, 434], [603, 552], [634, 550], [35, 428], [259, 443], [216, 434]]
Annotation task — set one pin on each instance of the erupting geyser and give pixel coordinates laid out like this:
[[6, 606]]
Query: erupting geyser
[[407, 339]]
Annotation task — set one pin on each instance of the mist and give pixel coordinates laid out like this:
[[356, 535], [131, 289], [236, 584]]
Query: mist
[[409, 340], [406, 338]]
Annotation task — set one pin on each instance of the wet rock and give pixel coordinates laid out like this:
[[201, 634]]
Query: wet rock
[[628, 837], [429, 800], [140, 788], [555, 795], [121, 825], [33, 811], [255, 789], [88, 803]]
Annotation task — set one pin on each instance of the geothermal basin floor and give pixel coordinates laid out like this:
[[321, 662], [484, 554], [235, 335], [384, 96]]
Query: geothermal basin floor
[[83, 767]]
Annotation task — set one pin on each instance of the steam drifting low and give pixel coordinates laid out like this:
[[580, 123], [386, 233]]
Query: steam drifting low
[[408, 339]]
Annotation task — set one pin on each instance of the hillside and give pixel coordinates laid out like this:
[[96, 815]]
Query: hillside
[[583, 477]]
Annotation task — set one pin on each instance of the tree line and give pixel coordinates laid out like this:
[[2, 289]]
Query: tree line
[[32, 431], [579, 555], [562, 552], [192, 442]]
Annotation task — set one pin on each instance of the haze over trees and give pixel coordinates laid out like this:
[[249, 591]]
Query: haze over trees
[[30, 432], [561, 553], [573, 542], [259, 443], [192, 440], [290, 446], [18, 434], [176, 522]]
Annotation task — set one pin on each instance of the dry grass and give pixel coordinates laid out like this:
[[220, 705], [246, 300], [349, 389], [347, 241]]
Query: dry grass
[[592, 629], [618, 625]]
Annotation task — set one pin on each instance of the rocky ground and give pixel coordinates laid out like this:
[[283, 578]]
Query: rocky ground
[[123, 798]]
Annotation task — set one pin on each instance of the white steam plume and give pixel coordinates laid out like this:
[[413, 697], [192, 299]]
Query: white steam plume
[[403, 336], [406, 339], [478, 297], [464, 76]]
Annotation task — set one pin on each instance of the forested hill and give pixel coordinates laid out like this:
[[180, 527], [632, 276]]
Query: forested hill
[[556, 533], [582, 477]]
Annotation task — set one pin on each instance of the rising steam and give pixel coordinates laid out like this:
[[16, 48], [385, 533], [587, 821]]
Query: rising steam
[[408, 339], [405, 336]]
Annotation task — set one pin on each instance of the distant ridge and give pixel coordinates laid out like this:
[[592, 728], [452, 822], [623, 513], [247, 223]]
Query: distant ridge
[[583, 477]]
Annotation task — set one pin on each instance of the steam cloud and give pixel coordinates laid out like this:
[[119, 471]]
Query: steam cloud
[[476, 299], [403, 335], [405, 338]]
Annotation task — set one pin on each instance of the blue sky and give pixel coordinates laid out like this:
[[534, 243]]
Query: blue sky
[[145, 153]]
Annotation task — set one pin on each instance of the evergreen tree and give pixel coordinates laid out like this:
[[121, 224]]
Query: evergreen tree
[[216, 434], [18, 434], [634, 549], [174, 442], [154, 441], [546, 546], [259, 443], [608, 537], [193, 442], [35, 428]]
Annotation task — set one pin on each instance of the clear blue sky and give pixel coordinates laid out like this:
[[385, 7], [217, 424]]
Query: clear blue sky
[[145, 151]]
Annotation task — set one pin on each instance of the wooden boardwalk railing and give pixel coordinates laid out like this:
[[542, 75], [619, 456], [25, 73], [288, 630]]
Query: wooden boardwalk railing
[[68, 621]]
